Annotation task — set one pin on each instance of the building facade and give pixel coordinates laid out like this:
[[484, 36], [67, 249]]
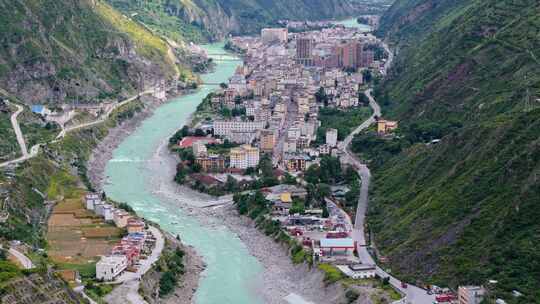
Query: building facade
[[109, 267], [471, 294], [244, 157], [331, 137]]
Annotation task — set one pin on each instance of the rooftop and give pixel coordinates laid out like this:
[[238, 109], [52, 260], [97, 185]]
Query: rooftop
[[337, 243]]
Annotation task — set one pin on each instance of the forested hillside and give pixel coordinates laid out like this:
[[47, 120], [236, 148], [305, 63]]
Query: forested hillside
[[464, 210], [75, 50], [213, 19]]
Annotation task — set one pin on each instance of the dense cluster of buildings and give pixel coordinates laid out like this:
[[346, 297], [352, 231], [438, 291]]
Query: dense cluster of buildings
[[135, 245], [276, 94]]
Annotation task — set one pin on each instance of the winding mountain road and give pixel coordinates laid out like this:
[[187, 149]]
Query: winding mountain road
[[17, 129], [412, 294], [35, 149]]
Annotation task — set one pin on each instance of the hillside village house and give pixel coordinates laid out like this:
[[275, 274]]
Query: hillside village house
[[135, 225], [386, 126], [109, 267], [121, 218], [91, 199]]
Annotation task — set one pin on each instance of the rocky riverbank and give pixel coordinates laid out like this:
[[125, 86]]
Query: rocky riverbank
[[99, 157], [183, 294], [280, 277]]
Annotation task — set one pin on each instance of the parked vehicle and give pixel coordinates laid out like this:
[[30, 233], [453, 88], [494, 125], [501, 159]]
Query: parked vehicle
[[404, 285]]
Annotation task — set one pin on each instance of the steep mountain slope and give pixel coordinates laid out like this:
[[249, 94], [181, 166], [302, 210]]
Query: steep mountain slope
[[465, 210], [214, 19], [62, 51]]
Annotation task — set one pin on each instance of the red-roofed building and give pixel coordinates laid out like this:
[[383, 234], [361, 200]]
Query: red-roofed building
[[135, 225], [188, 141]]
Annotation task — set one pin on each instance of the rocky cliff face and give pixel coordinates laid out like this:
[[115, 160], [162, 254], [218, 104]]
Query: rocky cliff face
[[215, 19], [75, 51]]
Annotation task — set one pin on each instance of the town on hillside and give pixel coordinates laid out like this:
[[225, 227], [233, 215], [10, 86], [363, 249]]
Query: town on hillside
[[272, 135]]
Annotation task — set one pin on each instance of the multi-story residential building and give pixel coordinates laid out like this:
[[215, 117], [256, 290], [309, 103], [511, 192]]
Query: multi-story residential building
[[331, 137], [272, 35], [244, 157], [302, 142], [225, 127], [471, 294], [304, 50], [135, 225], [199, 149], [268, 140], [367, 58], [294, 133], [324, 149], [211, 163], [296, 162], [349, 54], [289, 146], [240, 137], [109, 267]]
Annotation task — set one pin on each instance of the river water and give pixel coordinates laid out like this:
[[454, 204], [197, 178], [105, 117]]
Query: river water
[[229, 276], [232, 274]]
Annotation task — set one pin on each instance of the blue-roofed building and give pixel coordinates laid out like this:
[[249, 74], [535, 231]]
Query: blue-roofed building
[[331, 245], [40, 109]]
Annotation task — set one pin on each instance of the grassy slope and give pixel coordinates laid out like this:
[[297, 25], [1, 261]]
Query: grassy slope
[[58, 171], [185, 19], [465, 210], [75, 47]]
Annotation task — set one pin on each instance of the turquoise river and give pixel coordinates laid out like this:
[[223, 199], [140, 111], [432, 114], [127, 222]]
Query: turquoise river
[[230, 268], [231, 271]]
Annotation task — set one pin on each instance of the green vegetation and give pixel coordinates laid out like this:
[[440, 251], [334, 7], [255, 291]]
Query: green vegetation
[[87, 42], [468, 74], [98, 291], [200, 20], [172, 272], [331, 273], [9, 148], [256, 207], [345, 121]]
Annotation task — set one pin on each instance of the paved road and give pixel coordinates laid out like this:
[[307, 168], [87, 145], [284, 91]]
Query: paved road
[[128, 292], [413, 294], [17, 129], [35, 149], [23, 259], [105, 116]]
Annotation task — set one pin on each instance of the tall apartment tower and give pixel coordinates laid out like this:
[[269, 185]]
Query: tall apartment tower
[[350, 54], [304, 49]]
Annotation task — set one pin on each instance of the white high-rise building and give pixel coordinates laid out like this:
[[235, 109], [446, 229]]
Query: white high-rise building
[[331, 137], [244, 157]]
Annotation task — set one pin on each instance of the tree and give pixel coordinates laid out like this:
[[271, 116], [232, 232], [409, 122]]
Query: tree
[[363, 99], [223, 85], [323, 190], [313, 174], [321, 97], [350, 175], [238, 100], [199, 132], [265, 167], [289, 179], [366, 74], [231, 185]]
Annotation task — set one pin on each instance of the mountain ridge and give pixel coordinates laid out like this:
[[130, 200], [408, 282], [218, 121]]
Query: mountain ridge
[[460, 211]]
